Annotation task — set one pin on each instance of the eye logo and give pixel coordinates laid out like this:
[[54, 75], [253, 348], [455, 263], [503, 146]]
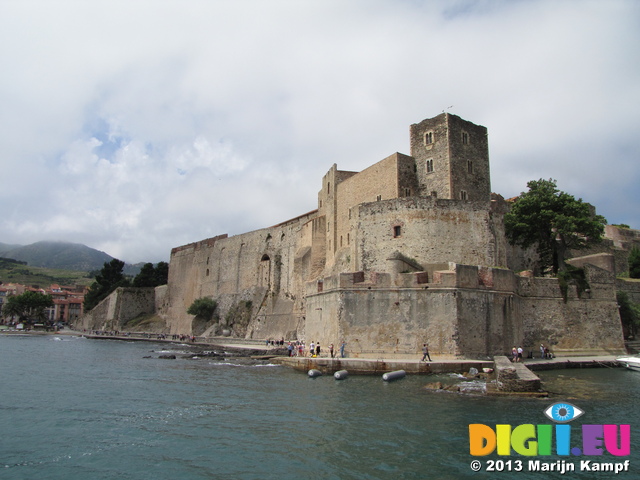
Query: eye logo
[[563, 412]]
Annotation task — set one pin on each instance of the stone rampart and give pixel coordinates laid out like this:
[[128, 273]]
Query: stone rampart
[[465, 311], [123, 305]]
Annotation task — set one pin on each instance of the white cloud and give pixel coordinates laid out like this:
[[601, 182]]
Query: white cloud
[[135, 127]]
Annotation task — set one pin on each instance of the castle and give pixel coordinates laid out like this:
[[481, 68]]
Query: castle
[[407, 251]]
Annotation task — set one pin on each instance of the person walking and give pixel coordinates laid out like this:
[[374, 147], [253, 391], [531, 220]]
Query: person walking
[[342, 345], [425, 352]]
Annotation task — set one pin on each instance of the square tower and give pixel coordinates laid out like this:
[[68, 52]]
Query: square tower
[[452, 158]]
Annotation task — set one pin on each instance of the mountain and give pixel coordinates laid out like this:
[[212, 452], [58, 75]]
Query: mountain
[[5, 247], [64, 255]]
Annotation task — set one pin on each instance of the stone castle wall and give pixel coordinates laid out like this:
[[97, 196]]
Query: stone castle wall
[[425, 230], [122, 305], [465, 311], [261, 267]]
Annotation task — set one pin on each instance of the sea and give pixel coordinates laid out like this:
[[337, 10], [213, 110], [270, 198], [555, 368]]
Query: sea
[[77, 408]]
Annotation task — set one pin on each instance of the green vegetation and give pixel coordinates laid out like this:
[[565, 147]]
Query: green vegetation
[[629, 314], [29, 306], [62, 255], [15, 271], [203, 307], [634, 263], [151, 276], [109, 278], [148, 322], [572, 276], [552, 221], [205, 313]]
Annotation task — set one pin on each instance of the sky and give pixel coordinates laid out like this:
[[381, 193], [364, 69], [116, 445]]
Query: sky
[[137, 126]]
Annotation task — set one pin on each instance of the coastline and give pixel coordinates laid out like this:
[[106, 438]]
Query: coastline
[[379, 364]]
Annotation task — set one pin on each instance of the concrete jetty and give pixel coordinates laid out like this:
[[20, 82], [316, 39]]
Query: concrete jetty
[[372, 366]]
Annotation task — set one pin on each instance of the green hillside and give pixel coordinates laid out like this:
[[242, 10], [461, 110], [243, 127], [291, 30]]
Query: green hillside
[[12, 271], [59, 255]]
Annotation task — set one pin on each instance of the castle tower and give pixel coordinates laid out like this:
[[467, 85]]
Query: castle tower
[[452, 158]]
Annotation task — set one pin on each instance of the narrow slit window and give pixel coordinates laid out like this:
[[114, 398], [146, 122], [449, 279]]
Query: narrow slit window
[[397, 231], [428, 138], [430, 165]]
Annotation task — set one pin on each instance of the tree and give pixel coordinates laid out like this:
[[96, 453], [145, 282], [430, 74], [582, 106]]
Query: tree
[[634, 263], [109, 278], [28, 306], [203, 307], [151, 276], [552, 221], [146, 277], [162, 273]]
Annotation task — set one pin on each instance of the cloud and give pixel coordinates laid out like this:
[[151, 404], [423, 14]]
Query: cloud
[[135, 127]]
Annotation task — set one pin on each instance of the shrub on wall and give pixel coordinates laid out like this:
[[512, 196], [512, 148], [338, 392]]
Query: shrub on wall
[[203, 308]]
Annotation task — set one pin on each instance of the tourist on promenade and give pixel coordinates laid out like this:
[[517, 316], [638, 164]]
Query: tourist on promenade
[[425, 352], [331, 350], [514, 354], [541, 350], [290, 348], [342, 349], [318, 350], [519, 354], [312, 348]]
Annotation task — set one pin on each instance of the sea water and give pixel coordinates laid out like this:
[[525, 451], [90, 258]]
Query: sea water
[[76, 408]]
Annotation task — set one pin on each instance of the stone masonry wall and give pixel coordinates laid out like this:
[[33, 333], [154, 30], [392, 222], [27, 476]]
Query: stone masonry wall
[[465, 311], [122, 305], [265, 267], [430, 230]]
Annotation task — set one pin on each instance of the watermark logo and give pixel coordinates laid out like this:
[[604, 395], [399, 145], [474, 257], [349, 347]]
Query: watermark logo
[[563, 412], [548, 439]]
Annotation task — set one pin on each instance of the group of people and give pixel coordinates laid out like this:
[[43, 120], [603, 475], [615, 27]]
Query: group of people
[[299, 349], [516, 353], [545, 352]]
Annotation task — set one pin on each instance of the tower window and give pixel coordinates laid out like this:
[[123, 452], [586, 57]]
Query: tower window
[[407, 192], [465, 138], [463, 195], [428, 138], [397, 231], [379, 198], [430, 165], [470, 166]]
